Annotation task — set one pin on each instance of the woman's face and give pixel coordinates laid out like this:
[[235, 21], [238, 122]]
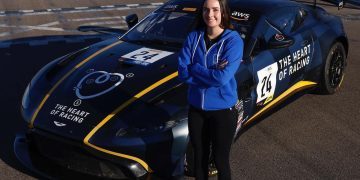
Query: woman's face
[[212, 13]]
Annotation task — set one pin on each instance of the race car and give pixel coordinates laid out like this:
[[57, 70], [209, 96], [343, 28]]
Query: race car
[[116, 109]]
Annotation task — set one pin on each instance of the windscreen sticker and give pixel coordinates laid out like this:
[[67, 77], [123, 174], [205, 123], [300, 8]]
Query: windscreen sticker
[[267, 82], [145, 56], [240, 16], [170, 7]]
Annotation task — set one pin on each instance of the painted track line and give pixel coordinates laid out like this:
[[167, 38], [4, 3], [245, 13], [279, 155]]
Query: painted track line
[[81, 8], [96, 18], [133, 5]]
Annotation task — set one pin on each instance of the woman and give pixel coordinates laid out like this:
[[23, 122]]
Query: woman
[[207, 63]]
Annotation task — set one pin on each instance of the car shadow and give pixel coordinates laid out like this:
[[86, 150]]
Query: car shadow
[[20, 59]]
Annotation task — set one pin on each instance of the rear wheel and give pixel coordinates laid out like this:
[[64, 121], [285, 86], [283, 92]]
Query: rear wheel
[[333, 72]]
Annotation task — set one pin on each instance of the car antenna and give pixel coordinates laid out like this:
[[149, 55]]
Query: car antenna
[[315, 4]]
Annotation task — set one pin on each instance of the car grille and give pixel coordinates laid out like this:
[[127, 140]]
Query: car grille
[[76, 158]]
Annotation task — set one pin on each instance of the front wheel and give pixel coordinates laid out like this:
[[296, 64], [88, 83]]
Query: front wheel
[[333, 72]]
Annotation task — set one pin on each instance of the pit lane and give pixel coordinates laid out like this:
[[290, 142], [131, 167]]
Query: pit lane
[[314, 137]]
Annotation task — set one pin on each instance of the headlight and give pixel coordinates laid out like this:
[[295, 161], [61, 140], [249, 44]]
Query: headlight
[[25, 104], [26, 98]]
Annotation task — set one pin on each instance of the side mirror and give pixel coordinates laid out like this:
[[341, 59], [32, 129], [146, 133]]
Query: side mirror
[[280, 41], [131, 20]]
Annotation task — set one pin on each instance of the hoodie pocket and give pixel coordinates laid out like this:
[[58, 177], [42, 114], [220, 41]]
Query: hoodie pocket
[[225, 92]]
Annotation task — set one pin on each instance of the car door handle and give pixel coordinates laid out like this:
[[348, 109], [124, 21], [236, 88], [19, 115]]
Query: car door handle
[[305, 42]]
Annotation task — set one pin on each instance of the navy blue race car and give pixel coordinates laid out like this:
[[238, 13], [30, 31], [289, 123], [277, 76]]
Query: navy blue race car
[[116, 109]]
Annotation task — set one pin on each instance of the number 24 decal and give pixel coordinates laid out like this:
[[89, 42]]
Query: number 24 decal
[[267, 82], [144, 55]]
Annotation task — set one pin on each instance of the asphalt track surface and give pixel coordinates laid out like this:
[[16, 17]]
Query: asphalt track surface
[[311, 137]]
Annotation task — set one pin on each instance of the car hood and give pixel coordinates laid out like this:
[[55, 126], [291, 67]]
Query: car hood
[[104, 83]]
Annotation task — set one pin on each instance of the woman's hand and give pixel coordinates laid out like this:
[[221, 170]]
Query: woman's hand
[[222, 64]]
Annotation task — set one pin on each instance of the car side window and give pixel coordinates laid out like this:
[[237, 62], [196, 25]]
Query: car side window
[[299, 19], [287, 19], [259, 45]]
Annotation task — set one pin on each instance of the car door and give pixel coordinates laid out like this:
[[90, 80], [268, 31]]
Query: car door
[[282, 52]]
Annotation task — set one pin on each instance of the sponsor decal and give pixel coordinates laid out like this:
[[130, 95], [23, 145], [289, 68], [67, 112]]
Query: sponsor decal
[[145, 56], [267, 82], [69, 113], [268, 99], [59, 124], [102, 81], [294, 62], [240, 16], [239, 106], [286, 66], [129, 75], [279, 37], [77, 102]]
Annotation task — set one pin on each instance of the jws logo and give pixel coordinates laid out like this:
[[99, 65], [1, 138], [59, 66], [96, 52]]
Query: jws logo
[[240, 16]]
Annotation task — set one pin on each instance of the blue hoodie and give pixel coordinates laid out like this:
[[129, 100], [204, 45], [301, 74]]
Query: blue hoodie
[[211, 88]]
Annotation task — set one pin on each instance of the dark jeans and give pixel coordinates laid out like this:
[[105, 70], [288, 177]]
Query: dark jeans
[[215, 127]]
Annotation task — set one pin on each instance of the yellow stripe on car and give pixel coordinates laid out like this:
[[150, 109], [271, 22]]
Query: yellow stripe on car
[[292, 90], [189, 9], [31, 124], [117, 110]]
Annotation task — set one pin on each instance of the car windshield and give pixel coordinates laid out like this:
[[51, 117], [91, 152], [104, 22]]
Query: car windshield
[[162, 28], [244, 22]]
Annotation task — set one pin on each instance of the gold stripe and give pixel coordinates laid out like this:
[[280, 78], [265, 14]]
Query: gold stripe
[[237, 18], [189, 9], [292, 90], [117, 110], [31, 124]]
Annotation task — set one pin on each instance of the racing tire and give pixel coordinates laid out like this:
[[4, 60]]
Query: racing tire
[[190, 163], [334, 69]]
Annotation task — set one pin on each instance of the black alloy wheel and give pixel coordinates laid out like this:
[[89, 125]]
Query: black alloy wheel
[[337, 65], [334, 69]]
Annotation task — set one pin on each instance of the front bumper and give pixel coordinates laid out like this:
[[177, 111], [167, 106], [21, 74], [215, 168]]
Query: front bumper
[[36, 149]]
